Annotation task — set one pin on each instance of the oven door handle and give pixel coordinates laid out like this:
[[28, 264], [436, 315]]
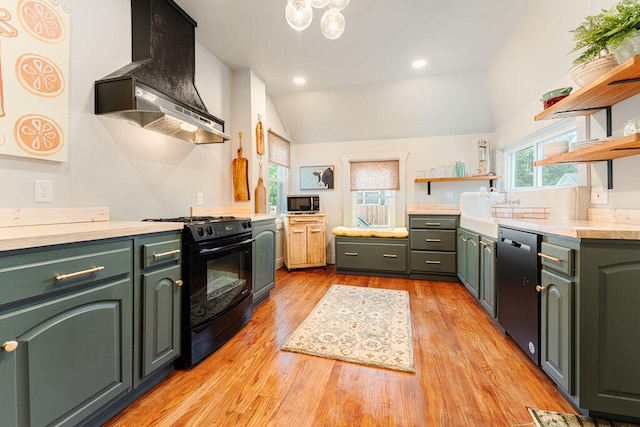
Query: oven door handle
[[226, 248]]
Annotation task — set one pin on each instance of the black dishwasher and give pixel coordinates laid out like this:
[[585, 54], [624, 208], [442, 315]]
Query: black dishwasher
[[517, 276]]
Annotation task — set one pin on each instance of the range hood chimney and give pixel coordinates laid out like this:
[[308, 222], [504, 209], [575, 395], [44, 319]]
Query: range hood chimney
[[156, 90]]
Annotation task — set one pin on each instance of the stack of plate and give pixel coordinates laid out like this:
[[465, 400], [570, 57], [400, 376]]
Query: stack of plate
[[579, 145]]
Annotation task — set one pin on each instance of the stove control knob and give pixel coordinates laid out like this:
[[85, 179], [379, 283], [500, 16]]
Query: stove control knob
[[209, 230], [200, 231]]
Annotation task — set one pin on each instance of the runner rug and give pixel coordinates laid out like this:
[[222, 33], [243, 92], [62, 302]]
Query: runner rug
[[558, 419], [369, 326]]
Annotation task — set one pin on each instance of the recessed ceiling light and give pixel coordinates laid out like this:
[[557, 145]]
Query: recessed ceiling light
[[419, 63], [299, 80]]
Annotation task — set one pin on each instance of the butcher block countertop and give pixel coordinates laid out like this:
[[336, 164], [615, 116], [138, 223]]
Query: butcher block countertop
[[577, 229], [29, 228], [433, 209]]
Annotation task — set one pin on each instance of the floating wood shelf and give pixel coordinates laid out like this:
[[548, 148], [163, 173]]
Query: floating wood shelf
[[608, 150], [617, 85], [490, 178]]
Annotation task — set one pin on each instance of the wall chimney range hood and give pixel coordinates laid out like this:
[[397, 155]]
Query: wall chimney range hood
[[156, 90]]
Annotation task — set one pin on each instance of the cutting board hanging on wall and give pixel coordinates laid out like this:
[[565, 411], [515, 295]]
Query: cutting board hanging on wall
[[260, 136], [240, 168], [261, 194]]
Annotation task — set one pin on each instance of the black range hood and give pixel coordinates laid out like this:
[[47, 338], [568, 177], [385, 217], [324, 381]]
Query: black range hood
[[156, 90]]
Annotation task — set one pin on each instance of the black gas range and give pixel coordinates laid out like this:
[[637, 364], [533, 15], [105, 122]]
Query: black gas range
[[217, 297], [203, 228]]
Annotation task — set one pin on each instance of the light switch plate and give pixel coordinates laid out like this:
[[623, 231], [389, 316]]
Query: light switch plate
[[599, 196], [199, 199], [448, 194]]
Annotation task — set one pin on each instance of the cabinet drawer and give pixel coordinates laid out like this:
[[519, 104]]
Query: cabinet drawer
[[433, 261], [160, 250], [557, 258], [306, 220], [443, 222], [49, 271], [372, 256], [434, 240]]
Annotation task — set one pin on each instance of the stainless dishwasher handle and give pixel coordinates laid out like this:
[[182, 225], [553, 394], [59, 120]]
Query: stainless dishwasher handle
[[433, 240], [79, 273], [549, 257], [390, 256]]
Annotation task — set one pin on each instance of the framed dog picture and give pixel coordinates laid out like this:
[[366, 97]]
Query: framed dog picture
[[316, 177]]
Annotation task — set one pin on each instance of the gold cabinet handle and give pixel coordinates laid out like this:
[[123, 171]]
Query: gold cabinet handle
[[390, 256], [485, 244], [164, 254], [298, 231], [464, 240], [315, 230], [433, 262], [540, 288], [79, 273], [433, 240], [179, 283], [351, 253], [549, 257], [9, 346], [432, 224]]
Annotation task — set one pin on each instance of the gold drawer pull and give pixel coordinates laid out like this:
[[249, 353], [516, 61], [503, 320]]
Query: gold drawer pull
[[298, 231], [164, 254], [432, 224], [10, 346], [179, 283], [351, 253], [390, 256], [433, 240], [432, 262], [79, 273], [540, 288], [549, 257]]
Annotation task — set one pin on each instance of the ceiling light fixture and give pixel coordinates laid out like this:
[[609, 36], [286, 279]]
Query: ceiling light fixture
[[419, 63], [299, 80], [299, 14]]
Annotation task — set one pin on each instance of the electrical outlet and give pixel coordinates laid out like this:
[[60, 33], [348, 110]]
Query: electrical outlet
[[599, 196], [448, 194], [43, 191], [199, 199]]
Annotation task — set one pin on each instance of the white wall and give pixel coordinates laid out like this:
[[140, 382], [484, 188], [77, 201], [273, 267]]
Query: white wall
[[135, 172], [424, 153], [534, 59]]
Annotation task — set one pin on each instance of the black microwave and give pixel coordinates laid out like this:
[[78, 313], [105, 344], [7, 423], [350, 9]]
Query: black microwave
[[301, 203]]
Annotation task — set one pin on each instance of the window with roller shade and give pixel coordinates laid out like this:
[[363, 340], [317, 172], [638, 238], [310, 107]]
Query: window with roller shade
[[373, 192], [279, 155]]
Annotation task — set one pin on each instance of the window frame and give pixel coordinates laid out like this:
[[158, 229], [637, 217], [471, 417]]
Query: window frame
[[535, 140]]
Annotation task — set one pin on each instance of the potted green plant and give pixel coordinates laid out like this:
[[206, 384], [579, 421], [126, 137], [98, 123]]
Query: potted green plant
[[599, 35]]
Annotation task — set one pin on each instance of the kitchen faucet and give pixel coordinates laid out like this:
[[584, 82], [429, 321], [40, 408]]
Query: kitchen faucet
[[508, 202]]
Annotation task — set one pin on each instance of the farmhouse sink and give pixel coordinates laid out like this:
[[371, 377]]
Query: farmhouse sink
[[475, 213]]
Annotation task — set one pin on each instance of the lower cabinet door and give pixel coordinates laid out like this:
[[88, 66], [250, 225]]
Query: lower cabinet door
[[488, 297], [73, 356], [161, 318], [556, 329]]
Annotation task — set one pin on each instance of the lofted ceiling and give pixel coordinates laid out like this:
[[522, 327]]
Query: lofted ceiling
[[362, 86]]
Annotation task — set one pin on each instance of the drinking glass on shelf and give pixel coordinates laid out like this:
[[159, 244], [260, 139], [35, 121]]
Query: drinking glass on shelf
[[432, 172], [451, 173]]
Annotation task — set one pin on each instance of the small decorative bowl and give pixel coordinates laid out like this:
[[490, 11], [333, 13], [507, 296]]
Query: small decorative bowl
[[555, 148], [583, 74], [564, 91], [549, 102]]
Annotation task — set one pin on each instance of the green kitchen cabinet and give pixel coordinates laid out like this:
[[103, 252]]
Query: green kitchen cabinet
[[609, 300], [468, 263], [158, 296], [487, 288], [65, 331], [433, 247], [371, 256], [264, 259], [556, 328]]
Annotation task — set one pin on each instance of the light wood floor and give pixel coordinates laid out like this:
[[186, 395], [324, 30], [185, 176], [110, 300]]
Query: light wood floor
[[468, 372]]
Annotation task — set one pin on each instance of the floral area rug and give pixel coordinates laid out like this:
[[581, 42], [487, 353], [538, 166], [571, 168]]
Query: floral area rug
[[369, 326], [549, 419]]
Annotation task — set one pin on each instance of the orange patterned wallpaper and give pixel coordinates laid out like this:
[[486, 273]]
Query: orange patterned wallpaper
[[34, 65]]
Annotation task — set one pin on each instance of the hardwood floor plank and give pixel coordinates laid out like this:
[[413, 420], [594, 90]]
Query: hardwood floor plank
[[469, 373]]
